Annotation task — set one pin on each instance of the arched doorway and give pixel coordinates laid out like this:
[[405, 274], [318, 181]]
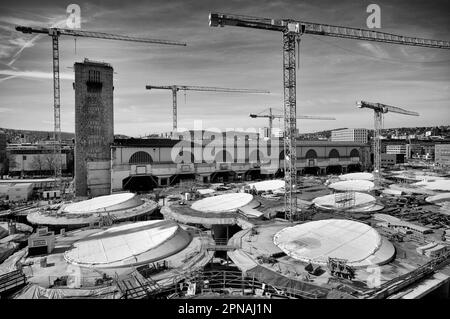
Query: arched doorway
[[313, 170], [311, 157], [139, 183], [334, 169], [220, 177], [351, 168]]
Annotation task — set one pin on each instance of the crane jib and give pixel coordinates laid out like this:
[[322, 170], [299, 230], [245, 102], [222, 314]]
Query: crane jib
[[217, 19]]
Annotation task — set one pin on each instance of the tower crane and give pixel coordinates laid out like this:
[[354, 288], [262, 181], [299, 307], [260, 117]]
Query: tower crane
[[379, 110], [176, 88], [272, 116], [292, 31], [55, 33]]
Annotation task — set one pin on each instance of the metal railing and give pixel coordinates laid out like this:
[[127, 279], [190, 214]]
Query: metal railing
[[223, 282]]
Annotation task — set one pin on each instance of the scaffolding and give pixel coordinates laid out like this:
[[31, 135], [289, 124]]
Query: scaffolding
[[344, 200]]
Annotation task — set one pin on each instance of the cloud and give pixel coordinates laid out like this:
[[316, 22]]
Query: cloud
[[35, 75], [375, 50], [5, 110]]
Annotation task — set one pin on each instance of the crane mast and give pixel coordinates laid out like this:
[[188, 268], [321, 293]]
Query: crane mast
[[292, 30], [176, 88], [55, 33], [379, 111]]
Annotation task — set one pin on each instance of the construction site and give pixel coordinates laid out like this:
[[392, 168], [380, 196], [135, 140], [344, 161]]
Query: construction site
[[212, 215]]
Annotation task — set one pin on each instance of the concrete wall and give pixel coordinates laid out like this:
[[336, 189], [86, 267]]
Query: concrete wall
[[98, 178], [94, 119], [34, 162], [442, 154], [16, 191]]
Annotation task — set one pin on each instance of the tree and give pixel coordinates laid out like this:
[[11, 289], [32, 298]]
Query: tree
[[50, 161], [38, 163]]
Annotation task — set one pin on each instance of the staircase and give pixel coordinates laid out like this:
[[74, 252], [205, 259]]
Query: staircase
[[11, 281], [137, 286]]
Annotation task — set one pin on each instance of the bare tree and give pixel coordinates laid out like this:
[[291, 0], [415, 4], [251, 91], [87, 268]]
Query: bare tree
[[50, 161], [38, 163]]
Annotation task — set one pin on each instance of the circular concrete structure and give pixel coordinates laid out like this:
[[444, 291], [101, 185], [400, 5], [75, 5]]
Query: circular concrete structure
[[314, 242], [103, 204], [411, 189], [268, 185], [440, 199], [119, 207], [417, 176], [222, 203], [353, 185], [436, 185], [129, 245], [357, 176], [346, 201]]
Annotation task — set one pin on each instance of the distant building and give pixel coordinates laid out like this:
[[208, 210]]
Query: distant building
[[359, 135], [143, 164], [388, 160], [3, 158], [397, 149], [442, 154], [37, 159], [94, 127], [16, 192]]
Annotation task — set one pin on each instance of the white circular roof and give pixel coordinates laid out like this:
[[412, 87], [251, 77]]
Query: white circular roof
[[122, 243], [353, 185], [222, 203], [358, 176], [438, 185], [337, 238], [439, 199], [418, 176], [344, 200], [268, 185], [98, 203]]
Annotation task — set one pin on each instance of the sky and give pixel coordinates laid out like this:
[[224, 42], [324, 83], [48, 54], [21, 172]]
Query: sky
[[333, 73]]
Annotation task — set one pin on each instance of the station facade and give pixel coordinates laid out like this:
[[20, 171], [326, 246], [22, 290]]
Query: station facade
[[143, 164]]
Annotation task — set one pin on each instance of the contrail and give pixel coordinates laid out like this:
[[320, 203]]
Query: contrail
[[27, 44], [31, 42]]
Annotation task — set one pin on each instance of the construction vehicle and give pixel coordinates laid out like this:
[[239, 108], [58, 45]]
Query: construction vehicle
[[292, 31], [379, 111], [272, 116], [55, 33], [339, 268], [176, 88]]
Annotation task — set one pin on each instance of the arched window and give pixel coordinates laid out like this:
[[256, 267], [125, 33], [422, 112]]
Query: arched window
[[282, 155], [140, 158], [311, 154], [354, 153], [333, 153]]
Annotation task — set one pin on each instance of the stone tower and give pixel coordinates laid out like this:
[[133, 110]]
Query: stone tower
[[94, 127]]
